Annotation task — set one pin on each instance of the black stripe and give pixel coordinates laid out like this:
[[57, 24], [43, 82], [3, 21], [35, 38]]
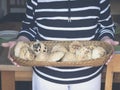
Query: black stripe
[[67, 34], [72, 74], [72, 24], [68, 82], [64, 4]]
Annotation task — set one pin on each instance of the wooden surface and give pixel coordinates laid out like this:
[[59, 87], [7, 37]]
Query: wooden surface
[[112, 68], [8, 80], [11, 73]]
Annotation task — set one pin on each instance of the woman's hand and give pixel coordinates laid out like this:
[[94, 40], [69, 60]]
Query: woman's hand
[[112, 42], [11, 44]]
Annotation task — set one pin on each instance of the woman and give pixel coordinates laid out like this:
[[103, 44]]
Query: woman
[[67, 20]]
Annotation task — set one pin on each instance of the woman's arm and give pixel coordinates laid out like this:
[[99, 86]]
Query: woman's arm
[[107, 31], [29, 22]]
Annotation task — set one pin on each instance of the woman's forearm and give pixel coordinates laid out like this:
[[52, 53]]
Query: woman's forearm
[[22, 38]]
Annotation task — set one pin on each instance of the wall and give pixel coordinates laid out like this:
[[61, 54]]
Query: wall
[[115, 7], [4, 6], [1, 10]]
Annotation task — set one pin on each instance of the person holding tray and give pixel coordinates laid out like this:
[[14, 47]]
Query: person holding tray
[[66, 20]]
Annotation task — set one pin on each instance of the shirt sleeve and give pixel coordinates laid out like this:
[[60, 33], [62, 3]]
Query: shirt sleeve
[[105, 20], [28, 23]]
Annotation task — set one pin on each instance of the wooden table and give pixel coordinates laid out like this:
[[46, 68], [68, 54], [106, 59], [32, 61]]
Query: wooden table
[[11, 73]]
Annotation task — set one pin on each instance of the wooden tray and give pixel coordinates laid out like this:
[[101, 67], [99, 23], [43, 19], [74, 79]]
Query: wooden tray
[[50, 44]]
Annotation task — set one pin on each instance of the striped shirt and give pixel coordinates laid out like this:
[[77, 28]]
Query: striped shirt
[[67, 20]]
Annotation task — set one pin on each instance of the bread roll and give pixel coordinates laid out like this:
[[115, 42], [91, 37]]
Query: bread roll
[[74, 46], [69, 57], [38, 47], [43, 56], [18, 47], [59, 47], [98, 52], [26, 54], [83, 53], [56, 56], [23, 51]]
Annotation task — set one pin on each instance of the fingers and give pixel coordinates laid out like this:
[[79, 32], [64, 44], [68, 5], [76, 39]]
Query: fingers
[[11, 59], [115, 43], [5, 44], [112, 42], [9, 44]]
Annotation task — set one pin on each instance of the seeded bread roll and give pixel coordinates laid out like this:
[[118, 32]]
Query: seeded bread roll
[[74, 46], [84, 53], [38, 47]]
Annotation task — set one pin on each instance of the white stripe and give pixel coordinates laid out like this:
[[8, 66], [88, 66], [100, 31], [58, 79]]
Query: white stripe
[[51, 0], [68, 70], [106, 31], [66, 39], [28, 6], [66, 9], [107, 26], [27, 33], [33, 31], [34, 2], [107, 19], [103, 11], [28, 16], [68, 79], [25, 22], [102, 1], [65, 29], [66, 18]]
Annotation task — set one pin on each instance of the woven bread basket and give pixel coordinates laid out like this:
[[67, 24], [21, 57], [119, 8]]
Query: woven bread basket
[[50, 44]]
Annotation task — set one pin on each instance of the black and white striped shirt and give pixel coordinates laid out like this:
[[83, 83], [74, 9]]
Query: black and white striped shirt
[[67, 20]]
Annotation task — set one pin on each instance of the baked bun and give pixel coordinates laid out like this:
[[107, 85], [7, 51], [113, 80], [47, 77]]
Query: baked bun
[[59, 47], [23, 51], [56, 56], [38, 47], [83, 53], [43, 56], [98, 52], [26, 54], [74, 46], [69, 57]]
